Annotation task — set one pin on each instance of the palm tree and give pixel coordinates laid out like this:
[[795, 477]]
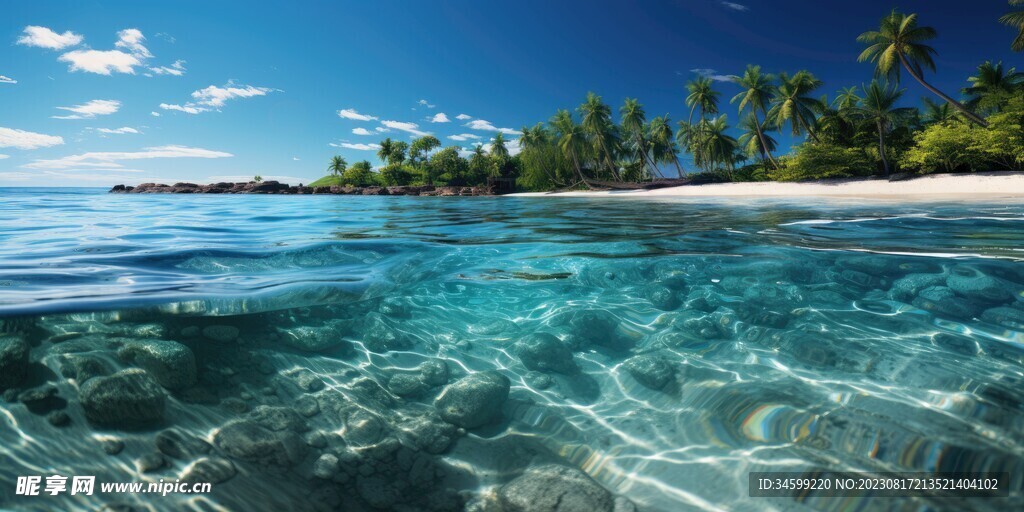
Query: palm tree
[[338, 165], [757, 95], [386, 148], [793, 104], [664, 144], [596, 118], [754, 141], [634, 121], [935, 112], [703, 95], [899, 42], [571, 139], [398, 149], [719, 147], [498, 149], [1015, 19], [992, 87], [836, 120], [538, 138], [877, 108]]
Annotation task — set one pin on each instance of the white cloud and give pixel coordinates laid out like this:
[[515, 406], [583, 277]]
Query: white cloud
[[155, 114], [440, 117], [4, 156], [109, 160], [295, 159], [463, 117], [360, 147], [425, 103], [186, 109], [118, 131], [412, 128], [21, 139], [131, 39], [361, 131], [7, 80], [480, 124], [350, 113], [101, 62], [734, 6], [43, 37], [381, 129], [91, 109], [214, 97], [176, 69], [714, 75], [464, 137]]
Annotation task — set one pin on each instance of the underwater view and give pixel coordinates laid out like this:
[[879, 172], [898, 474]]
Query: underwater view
[[482, 353]]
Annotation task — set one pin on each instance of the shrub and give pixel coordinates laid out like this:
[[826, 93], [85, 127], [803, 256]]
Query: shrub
[[814, 161], [1003, 142], [396, 174], [947, 147], [358, 176]]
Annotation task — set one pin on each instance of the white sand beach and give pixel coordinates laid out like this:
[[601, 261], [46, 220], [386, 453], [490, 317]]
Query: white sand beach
[[986, 185]]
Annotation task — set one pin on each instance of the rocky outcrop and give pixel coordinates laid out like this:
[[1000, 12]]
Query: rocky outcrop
[[274, 187]]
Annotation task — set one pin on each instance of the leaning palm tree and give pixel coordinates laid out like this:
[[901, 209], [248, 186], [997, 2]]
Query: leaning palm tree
[[666, 149], [793, 104], [757, 94], [935, 112], [385, 150], [596, 118], [1015, 19], [878, 108], [899, 42], [634, 121], [572, 140], [992, 87], [753, 141], [538, 139], [337, 166], [702, 95]]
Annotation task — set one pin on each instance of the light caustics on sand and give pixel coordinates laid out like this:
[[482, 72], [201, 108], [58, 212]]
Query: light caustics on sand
[[663, 352]]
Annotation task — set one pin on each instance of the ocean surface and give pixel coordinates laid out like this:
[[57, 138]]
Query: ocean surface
[[325, 352]]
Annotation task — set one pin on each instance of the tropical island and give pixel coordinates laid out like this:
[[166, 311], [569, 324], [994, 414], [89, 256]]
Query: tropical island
[[860, 132]]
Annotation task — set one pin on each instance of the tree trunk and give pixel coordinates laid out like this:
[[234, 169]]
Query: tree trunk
[[679, 168], [642, 145], [764, 144], [609, 162], [956, 104], [881, 148], [579, 172]]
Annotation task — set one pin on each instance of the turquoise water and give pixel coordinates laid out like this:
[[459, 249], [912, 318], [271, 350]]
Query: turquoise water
[[693, 341]]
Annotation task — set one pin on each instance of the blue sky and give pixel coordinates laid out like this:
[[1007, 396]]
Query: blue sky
[[105, 92]]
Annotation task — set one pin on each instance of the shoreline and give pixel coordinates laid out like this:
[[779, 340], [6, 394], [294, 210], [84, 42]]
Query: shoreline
[[994, 184]]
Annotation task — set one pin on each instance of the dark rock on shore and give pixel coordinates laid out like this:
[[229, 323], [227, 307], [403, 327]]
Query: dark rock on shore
[[274, 187]]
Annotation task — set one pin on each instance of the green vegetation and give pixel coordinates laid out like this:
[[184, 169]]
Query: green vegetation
[[863, 131]]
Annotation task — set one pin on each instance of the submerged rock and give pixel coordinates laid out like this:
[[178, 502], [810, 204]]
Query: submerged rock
[[82, 367], [128, 399], [555, 488], [474, 400], [13, 361], [975, 284], [1005, 316], [544, 352], [181, 445], [428, 432], [221, 333], [172, 364], [212, 470], [314, 339], [942, 300], [651, 371], [248, 440], [663, 298], [279, 418], [906, 288]]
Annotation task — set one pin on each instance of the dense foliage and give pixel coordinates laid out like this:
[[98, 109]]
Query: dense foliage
[[862, 131]]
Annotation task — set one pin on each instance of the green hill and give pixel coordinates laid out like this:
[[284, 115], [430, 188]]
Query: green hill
[[326, 181]]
